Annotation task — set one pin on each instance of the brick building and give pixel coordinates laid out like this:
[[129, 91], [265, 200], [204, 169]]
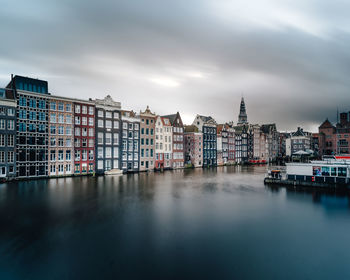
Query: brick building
[[84, 137]]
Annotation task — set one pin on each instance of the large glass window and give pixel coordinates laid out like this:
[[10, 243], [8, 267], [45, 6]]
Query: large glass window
[[342, 171]]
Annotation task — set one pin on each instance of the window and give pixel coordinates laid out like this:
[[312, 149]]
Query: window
[[91, 132], [42, 116], [22, 101], [100, 113], [91, 121], [60, 142], [60, 155], [52, 118], [84, 142], [100, 123], [91, 142], [84, 131], [52, 129], [136, 126], [115, 152], [342, 171], [91, 110], [61, 118], [125, 125], [10, 157], [10, 140], [2, 124], [68, 168], [68, 119], [84, 155], [60, 168], [108, 138], [77, 109], [22, 114], [108, 124], [77, 120], [32, 103], [115, 138], [52, 141], [108, 152], [60, 130], [100, 152], [100, 138], [100, 164], [2, 140], [53, 168], [116, 115], [77, 131], [68, 107], [76, 142], [76, 155], [60, 106], [91, 155], [10, 124], [84, 110], [84, 121], [69, 142], [42, 104], [32, 115], [10, 112], [116, 124], [68, 130], [108, 115], [21, 126]]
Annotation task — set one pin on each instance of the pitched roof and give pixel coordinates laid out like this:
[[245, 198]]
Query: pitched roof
[[299, 132], [6, 93], [170, 117], [205, 118], [190, 128], [326, 124], [266, 128]]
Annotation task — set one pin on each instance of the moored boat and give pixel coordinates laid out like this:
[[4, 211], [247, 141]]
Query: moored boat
[[329, 172], [115, 172]]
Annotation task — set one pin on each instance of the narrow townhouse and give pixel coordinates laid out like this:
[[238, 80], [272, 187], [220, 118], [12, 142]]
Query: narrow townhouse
[[84, 137], [107, 134], [130, 141], [7, 134], [61, 136]]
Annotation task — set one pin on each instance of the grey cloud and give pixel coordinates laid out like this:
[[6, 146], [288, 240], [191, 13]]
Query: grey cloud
[[89, 48]]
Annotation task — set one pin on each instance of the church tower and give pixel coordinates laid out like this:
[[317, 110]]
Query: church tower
[[242, 117]]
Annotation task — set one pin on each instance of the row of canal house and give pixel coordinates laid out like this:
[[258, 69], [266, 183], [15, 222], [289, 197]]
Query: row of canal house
[[48, 135]]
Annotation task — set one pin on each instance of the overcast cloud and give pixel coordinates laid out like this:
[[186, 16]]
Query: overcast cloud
[[290, 59]]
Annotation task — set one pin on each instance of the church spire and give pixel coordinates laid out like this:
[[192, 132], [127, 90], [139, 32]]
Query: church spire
[[242, 117]]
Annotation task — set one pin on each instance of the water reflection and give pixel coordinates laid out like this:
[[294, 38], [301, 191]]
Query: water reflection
[[200, 223]]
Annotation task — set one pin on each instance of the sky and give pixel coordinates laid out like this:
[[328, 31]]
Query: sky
[[289, 59]]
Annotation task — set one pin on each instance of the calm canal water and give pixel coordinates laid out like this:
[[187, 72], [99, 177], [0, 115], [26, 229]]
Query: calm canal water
[[194, 224]]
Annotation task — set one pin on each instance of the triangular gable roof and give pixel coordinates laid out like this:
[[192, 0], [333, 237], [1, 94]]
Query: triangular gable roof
[[326, 124]]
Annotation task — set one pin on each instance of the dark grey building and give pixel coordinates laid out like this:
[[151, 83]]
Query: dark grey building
[[130, 160], [209, 144], [241, 143], [32, 126], [108, 134], [7, 134]]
